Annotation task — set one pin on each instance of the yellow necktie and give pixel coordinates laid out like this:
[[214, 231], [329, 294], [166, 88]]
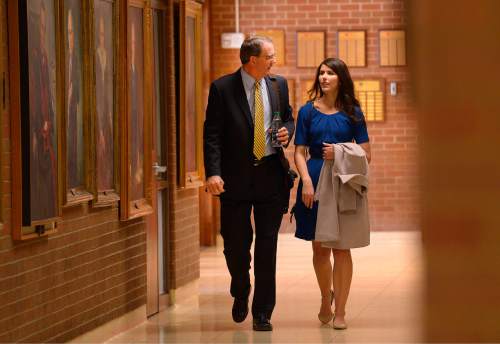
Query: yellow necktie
[[259, 138]]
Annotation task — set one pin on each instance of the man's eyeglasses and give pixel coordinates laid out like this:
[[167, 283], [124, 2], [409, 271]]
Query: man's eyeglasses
[[269, 57]]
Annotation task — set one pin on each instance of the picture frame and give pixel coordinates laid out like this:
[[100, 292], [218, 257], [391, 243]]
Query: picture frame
[[136, 165], [75, 119], [190, 117], [104, 38], [35, 140]]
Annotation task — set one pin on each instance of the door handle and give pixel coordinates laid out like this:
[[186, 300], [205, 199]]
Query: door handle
[[159, 169]]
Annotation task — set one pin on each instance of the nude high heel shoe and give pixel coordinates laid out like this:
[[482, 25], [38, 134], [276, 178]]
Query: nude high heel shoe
[[326, 318], [339, 325]]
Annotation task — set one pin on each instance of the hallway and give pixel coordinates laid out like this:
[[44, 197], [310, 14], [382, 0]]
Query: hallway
[[384, 304]]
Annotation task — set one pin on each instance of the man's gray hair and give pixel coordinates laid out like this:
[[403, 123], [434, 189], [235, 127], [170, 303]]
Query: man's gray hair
[[252, 46]]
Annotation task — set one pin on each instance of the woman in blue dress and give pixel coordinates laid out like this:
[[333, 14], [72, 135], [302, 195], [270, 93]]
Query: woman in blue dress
[[332, 115]]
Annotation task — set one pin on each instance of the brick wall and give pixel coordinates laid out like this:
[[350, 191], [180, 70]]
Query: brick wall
[[91, 271], [393, 194], [185, 239]]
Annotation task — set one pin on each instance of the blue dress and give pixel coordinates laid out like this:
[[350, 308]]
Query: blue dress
[[313, 128]]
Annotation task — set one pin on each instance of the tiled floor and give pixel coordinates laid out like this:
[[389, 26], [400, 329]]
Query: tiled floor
[[384, 304]]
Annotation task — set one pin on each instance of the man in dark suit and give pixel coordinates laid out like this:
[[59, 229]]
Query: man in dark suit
[[245, 170]]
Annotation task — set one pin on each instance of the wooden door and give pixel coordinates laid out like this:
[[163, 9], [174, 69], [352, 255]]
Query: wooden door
[[157, 223]]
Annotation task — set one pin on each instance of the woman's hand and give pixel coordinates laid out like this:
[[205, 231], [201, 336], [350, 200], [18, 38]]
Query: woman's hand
[[307, 193], [307, 185], [328, 151]]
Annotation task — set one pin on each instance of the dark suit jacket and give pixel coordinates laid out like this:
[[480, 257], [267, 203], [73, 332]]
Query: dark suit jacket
[[228, 131]]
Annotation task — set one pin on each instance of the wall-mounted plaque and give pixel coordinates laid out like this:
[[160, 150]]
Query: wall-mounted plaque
[[370, 94], [305, 86], [310, 48], [291, 92], [278, 37], [352, 48], [392, 45]]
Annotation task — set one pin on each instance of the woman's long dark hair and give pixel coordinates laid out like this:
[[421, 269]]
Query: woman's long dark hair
[[346, 100]]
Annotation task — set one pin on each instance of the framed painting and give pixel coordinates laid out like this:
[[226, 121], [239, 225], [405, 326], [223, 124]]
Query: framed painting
[[191, 115], [34, 77], [104, 109], [74, 138], [136, 171]]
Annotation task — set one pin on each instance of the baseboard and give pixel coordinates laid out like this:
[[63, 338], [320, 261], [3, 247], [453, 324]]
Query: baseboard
[[114, 327], [192, 289], [136, 317], [164, 302]]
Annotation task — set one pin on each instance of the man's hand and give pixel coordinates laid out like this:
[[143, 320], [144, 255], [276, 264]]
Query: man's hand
[[215, 185], [283, 135]]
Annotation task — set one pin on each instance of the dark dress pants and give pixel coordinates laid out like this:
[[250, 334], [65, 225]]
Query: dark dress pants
[[236, 230]]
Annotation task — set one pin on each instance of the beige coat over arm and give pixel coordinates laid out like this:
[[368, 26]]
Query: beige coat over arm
[[343, 220]]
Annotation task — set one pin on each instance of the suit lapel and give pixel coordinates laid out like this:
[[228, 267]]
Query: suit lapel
[[273, 97], [241, 97]]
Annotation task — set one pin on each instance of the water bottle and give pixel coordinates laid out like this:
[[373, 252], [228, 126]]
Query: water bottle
[[275, 126]]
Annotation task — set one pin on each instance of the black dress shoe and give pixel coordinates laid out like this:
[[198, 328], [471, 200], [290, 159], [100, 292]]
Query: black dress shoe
[[240, 309], [262, 323]]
